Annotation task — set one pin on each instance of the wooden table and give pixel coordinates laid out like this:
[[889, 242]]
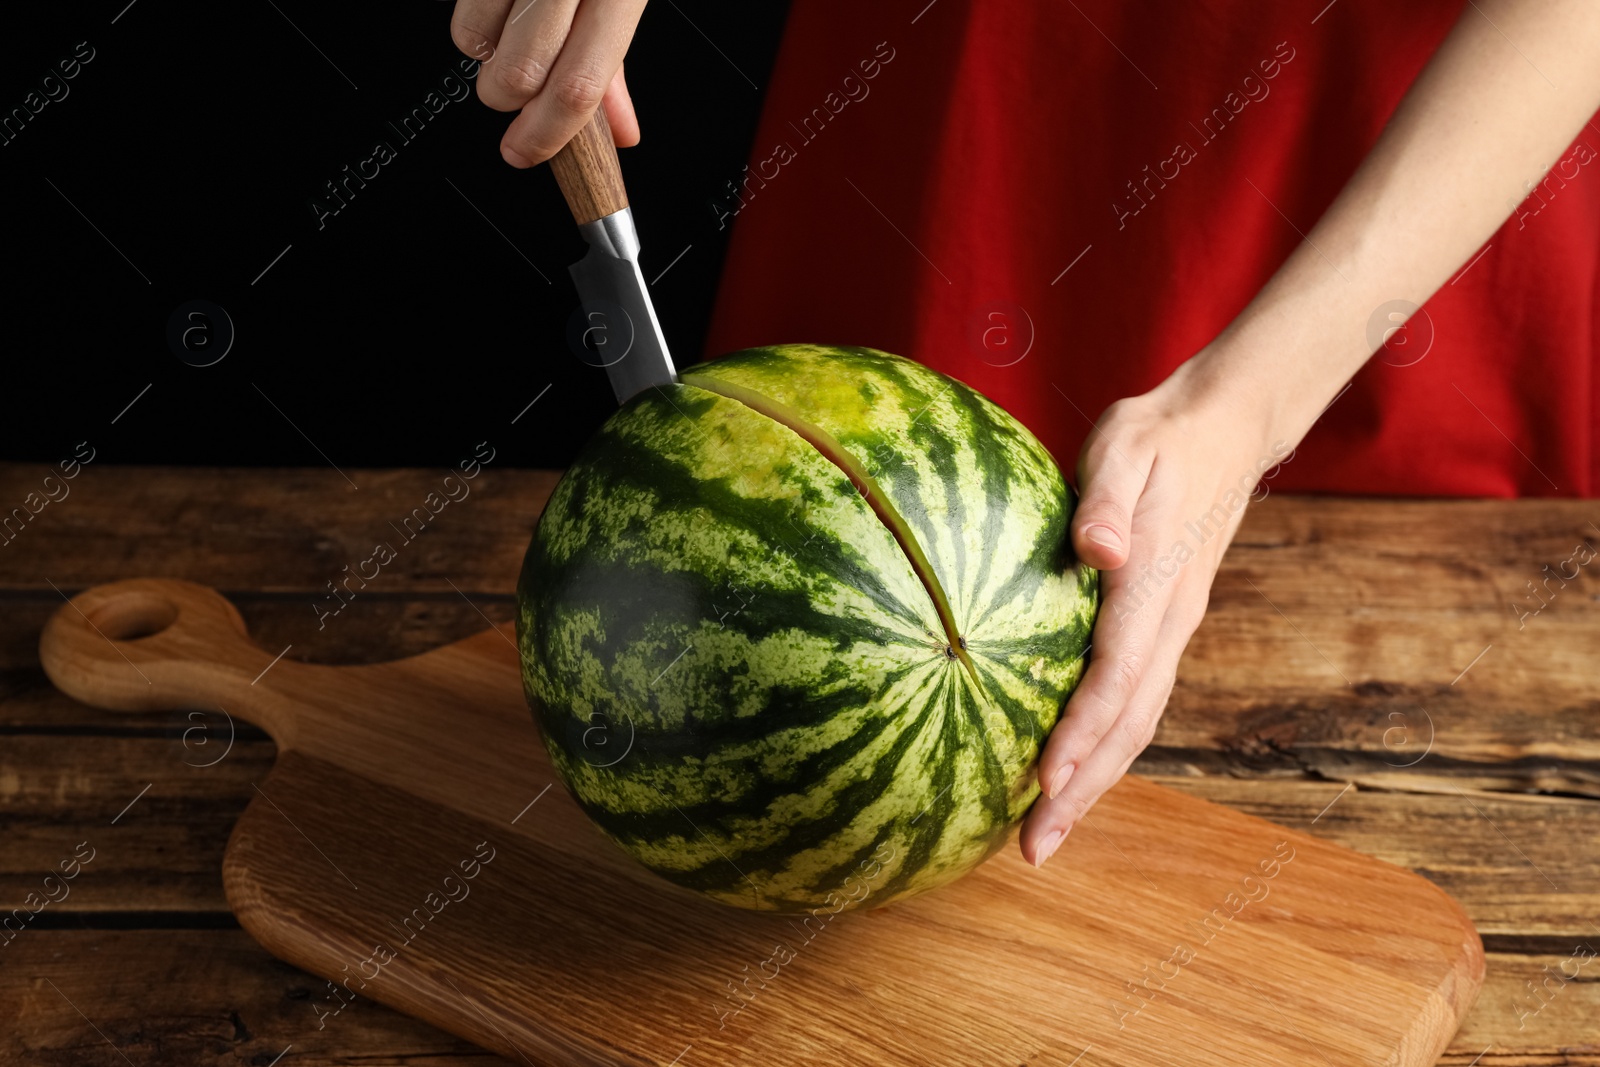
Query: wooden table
[[1362, 675]]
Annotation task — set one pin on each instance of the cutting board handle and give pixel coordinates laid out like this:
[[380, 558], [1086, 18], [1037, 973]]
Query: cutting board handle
[[152, 644], [589, 174]]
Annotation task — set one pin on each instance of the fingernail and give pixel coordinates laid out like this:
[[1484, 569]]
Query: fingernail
[[1104, 536], [1059, 782], [1048, 846], [515, 158]]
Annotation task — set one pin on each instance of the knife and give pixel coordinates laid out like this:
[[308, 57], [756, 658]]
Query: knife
[[618, 329]]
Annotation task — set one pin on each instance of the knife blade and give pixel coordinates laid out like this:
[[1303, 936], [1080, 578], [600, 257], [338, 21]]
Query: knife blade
[[617, 326]]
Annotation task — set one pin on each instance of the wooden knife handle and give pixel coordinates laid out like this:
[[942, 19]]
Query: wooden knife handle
[[588, 172]]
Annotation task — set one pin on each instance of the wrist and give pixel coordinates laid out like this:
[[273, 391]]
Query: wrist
[[1279, 364], [1217, 390]]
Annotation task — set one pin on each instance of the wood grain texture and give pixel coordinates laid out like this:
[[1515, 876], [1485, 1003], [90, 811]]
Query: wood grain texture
[[1275, 736], [589, 174], [1521, 865], [57, 790], [1531, 1011], [391, 776], [282, 531], [214, 998], [205, 998]]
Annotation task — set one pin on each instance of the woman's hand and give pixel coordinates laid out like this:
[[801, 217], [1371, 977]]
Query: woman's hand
[[555, 62], [1161, 463], [1165, 478]]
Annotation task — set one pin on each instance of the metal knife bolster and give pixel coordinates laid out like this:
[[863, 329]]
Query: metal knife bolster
[[611, 288], [615, 235]]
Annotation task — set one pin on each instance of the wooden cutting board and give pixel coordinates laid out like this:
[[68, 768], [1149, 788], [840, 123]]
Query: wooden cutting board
[[412, 846]]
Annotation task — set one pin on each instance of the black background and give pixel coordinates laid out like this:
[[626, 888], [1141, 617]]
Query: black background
[[407, 327]]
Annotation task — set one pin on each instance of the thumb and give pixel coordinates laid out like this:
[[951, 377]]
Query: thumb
[[1102, 527], [618, 105]]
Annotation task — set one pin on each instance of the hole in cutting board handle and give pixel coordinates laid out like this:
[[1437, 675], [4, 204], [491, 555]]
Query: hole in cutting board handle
[[131, 616]]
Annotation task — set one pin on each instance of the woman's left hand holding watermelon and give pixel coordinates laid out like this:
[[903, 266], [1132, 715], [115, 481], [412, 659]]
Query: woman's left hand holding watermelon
[[1479, 124], [1165, 479]]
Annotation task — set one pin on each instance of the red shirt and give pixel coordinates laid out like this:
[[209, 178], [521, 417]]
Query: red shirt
[[1059, 203]]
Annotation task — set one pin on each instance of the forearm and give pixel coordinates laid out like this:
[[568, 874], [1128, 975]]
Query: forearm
[[1163, 470], [1503, 97]]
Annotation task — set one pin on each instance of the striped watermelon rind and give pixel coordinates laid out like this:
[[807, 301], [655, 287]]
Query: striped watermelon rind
[[809, 611]]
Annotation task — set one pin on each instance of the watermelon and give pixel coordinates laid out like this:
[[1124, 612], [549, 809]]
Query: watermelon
[[795, 627]]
